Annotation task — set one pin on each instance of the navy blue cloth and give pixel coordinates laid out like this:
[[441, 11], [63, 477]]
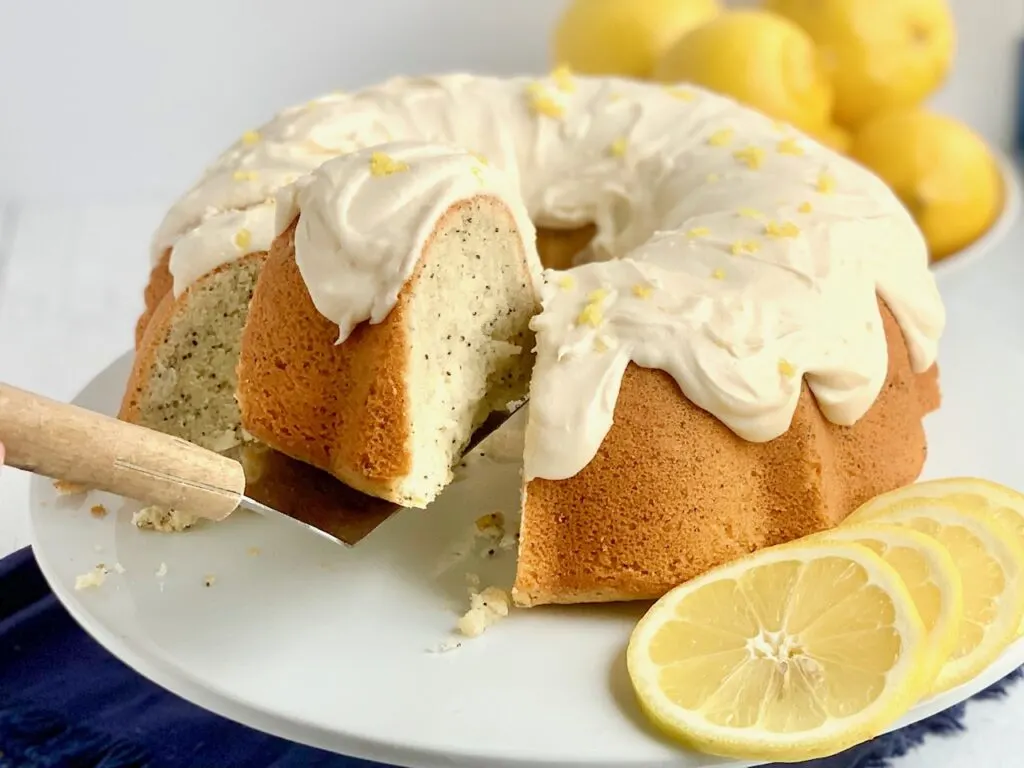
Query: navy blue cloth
[[65, 701]]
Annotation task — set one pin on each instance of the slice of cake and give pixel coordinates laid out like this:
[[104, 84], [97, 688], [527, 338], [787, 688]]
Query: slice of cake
[[391, 317], [183, 378]]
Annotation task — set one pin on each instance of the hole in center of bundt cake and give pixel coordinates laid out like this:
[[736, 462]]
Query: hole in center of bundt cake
[[559, 248]]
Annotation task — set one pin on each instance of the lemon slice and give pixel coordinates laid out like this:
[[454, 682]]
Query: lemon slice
[[795, 652], [930, 575], [991, 565], [967, 493]]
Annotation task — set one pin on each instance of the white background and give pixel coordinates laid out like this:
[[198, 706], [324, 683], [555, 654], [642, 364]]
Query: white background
[[109, 108], [110, 100]]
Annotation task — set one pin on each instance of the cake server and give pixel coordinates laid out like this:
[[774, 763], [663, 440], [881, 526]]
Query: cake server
[[77, 445]]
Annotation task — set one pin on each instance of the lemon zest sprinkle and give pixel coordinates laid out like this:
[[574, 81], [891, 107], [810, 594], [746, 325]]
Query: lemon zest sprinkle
[[826, 184], [242, 238], [789, 147], [542, 103], [382, 164], [720, 138], [752, 157], [591, 315], [785, 229], [562, 76], [744, 246], [683, 94]]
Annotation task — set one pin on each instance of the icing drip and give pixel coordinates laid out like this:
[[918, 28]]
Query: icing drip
[[366, 216], [736, 254], [219, 239]]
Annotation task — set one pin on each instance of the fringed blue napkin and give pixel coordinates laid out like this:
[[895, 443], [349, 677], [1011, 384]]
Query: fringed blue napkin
[[64, 701]]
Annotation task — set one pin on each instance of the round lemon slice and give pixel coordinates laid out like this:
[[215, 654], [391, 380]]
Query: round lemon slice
[[795, 652], [930, 575], [991, 565], [967, 493]]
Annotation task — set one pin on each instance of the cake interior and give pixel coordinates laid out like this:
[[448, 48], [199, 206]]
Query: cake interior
[[191, 392], [470, 345]]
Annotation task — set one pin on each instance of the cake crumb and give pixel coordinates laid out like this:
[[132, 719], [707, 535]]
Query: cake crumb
[[514, 405], [69, 488], [445, 647], [484, 538], [93, 578], [163, 519], [119, 569], [254, 551], [509, 540], [161, 571], [485, 608], [209, 580], [98, 511]]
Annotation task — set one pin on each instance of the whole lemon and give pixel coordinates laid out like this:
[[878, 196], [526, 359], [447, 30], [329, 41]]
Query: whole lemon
[[880, 54], [942, 171], [760, 59], [624, 37], [833, 136]]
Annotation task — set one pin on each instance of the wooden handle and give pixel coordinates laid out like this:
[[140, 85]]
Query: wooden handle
[[71, 443]]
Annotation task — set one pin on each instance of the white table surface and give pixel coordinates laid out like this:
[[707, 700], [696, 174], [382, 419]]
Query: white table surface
[[71, 283]]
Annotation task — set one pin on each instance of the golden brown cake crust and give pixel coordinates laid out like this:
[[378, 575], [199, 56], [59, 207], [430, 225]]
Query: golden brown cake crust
[[159, 286], [299, 390], [673, 492]]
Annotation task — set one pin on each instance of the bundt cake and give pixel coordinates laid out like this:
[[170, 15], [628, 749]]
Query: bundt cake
[[741, 353]]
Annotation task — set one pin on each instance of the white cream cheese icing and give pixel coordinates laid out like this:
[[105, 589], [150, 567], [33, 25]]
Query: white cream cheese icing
[[219, 239], [736, 254], [366, 216]]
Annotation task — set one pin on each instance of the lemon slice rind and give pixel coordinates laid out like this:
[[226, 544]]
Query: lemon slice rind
[[999, 541], [1006, 503]]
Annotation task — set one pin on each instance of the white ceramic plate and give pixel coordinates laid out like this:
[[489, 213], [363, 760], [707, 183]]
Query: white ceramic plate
[[337, 648], [1013, 193]]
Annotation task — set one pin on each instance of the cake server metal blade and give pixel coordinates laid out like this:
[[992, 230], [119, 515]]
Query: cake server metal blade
[[278, 486]]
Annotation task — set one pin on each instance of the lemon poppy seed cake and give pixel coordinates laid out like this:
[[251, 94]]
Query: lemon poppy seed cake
[[183, 378], [741, 353], [431, 247]]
